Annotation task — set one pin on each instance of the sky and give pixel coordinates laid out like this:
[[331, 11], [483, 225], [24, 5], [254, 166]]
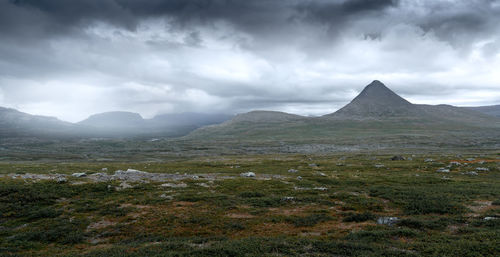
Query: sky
[[71, 59]]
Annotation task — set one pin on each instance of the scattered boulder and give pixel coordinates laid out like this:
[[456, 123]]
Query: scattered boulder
[[79, 174], [61, 180], [313, 165], [104, 169], [320, 188], [172, 185], [378, 165], [299, 178], [428, 160], [472, 173], [470, 159], [443, 170], [167, 197], [397, 158], [123, 185], [482, 169], [202, 184], [490, 218], [288, 198], [293, 171], [389, 221], [455, 164], [248, 174]]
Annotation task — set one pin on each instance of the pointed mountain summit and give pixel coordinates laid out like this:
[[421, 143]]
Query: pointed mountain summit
[[376, 101]]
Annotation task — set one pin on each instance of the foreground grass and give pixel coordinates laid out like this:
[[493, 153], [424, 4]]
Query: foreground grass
[[329, 207]]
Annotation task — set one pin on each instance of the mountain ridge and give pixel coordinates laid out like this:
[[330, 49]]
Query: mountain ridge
[[375, 104]]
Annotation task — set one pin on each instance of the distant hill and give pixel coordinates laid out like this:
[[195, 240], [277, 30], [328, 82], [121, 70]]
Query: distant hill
[[493, 110], [265, 116], [192, 119], [14, 123], [376, 116], [376, 101], [114, 120]]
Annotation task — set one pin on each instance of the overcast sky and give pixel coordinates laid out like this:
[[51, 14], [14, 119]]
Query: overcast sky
[[70, 59]]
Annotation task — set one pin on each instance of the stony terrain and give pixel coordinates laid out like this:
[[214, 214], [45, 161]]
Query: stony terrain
[[357, 204]]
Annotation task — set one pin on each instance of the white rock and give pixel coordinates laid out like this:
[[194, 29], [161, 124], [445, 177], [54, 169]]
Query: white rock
[[167, 197], [61, 180], [124, 185], [443, 170], [387, 221], [180, 185], [248, 174], [293, 171], [79, 174]]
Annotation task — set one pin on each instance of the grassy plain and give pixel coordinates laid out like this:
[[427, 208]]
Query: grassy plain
[[329, 207]]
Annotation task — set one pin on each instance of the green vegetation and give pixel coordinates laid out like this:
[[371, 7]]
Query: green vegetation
[[331, 210]]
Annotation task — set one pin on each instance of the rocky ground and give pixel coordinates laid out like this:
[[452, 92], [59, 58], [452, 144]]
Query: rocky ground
[[262, 205]]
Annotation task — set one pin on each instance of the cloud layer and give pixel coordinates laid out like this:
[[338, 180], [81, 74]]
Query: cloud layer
[[73, 58]]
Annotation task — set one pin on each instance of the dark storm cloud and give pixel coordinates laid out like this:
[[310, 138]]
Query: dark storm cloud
[[263, 18], [309, 56], [336, 12]]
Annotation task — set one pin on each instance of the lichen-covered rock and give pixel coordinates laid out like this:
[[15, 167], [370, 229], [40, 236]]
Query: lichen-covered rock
[[390, 221], [248, 174]]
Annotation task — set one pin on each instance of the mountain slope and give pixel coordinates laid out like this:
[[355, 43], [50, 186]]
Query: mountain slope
[[493, 110], [14, 123], [377, 115], [189, 119], [114, 120], [376, 101]]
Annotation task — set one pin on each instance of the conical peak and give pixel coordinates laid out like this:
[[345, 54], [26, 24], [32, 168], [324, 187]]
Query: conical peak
[[377, 91], [376, 100], [376, 87], [376, 83]]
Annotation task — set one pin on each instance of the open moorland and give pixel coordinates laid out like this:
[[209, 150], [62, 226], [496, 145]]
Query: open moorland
[[349, 204]]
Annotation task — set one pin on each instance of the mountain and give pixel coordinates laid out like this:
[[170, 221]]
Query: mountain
[[265, 116], [14, 123], [493, 110], [376, 101], [377, 116], [114, 120], [189, 119], [130, 124]]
